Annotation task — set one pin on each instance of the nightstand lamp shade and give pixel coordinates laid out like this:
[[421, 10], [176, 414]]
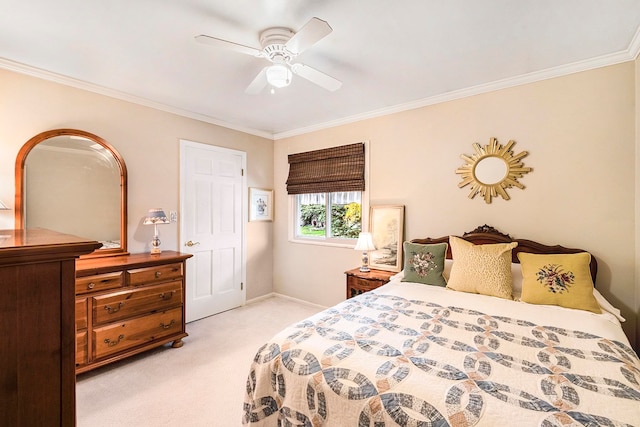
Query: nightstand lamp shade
[[365, 244], [154, 217]]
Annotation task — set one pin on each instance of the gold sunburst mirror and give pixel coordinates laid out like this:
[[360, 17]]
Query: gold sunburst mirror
[[492, 169]]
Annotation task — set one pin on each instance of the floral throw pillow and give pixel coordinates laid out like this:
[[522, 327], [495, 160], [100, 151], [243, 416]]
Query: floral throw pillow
[[424, 263], [558, 279]]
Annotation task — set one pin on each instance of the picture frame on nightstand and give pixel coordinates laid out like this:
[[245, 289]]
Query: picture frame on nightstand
[[386, 224]]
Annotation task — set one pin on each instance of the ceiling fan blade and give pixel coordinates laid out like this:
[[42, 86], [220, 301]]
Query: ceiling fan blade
[[314, 76], [258, 84], [225, 44], [312, 32]]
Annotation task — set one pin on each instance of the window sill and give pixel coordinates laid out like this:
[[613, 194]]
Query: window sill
[[348, 245]]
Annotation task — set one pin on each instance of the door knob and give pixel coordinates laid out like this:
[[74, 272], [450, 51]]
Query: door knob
[[190, 243]]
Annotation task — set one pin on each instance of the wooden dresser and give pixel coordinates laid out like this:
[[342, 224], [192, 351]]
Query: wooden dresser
[[128, 304], [37, 376]]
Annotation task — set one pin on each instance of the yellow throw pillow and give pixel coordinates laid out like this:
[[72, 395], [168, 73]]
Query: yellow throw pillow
[[481, 269], [558, 279]]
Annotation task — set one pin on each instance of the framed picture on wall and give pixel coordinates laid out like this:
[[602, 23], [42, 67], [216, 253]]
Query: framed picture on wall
[[386, 224], [260, 204]]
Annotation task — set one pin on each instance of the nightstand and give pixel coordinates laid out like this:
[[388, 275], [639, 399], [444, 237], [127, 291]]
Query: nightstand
[[359, 282]]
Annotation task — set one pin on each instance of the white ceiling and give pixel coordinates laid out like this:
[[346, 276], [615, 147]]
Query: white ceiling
[[390, 55]]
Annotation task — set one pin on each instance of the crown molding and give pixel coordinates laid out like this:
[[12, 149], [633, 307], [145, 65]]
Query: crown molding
[[602, 61], [634, 46], [80, 84], [630, 54]]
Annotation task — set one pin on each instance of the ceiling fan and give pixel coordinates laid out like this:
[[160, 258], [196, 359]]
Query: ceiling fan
[[280, 46]]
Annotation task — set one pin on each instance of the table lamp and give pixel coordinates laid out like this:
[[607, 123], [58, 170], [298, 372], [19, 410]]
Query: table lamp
[[365, 244], [154, 217]]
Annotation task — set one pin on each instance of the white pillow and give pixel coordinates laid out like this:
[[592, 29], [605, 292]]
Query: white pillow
[[516, 284], [448, 263], [398, 276], [607, 306]]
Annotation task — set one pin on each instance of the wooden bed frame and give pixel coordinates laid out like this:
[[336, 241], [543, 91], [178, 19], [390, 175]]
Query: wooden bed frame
[[486, 234]]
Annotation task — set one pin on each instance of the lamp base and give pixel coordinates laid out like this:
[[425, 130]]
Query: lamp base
[[155, 244], [365, 262]]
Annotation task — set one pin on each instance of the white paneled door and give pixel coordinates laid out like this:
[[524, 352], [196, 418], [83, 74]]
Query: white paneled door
[[212, 204]]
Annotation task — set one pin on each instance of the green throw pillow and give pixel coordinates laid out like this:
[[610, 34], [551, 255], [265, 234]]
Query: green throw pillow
[[424, 263]]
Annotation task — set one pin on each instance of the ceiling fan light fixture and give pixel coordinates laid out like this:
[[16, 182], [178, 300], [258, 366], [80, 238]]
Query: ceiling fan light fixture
[[279, 75], [281, 46]]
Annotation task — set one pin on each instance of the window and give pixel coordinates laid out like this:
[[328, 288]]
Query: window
[[326, 188], [332, 217]]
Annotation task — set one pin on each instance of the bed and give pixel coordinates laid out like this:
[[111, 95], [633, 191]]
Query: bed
[[417, 352]]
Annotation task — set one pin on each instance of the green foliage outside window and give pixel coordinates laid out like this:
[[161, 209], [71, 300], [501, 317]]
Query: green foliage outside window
[[312, 215], [345, 220]]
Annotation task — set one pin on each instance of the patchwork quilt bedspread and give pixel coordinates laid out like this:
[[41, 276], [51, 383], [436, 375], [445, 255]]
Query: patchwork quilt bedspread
[[415, 355]]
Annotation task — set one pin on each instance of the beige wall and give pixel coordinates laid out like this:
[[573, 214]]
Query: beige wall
[[148, 140], [580, 132]]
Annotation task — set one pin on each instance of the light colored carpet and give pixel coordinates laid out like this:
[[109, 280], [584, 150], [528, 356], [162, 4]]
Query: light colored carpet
[[200, 384]]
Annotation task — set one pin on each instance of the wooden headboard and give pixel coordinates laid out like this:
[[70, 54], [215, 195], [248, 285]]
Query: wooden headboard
[[485, 234]]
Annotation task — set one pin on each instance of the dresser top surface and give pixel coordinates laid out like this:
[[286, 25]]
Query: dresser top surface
[[37, 244], [372, 274], [14, 238], [89, 265]]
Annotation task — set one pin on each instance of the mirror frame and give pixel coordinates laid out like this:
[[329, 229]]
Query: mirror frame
[[515, 170], [20, 185]]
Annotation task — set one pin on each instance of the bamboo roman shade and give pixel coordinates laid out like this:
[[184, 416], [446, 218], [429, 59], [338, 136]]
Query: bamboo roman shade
[[327, 170]]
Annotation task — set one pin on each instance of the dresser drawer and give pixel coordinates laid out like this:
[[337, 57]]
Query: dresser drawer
[[81, 348], [116, 306], [99, 282], [359, 282], [364, 284], [81, 314], [123, 335], [142, 276]]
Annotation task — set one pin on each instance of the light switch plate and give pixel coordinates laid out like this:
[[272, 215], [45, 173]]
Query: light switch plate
[[173, 216]]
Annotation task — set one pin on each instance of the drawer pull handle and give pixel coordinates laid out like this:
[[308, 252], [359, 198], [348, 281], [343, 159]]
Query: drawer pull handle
[[112, 343], [163, 326], [158, 274], [91, 285], [112, 310], [167, 295]]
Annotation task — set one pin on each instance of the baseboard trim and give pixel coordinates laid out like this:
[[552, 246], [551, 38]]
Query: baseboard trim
[[277, 295]]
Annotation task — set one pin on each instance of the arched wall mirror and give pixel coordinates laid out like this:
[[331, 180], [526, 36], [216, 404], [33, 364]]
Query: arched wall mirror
[[73, 182], [492, 170]]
